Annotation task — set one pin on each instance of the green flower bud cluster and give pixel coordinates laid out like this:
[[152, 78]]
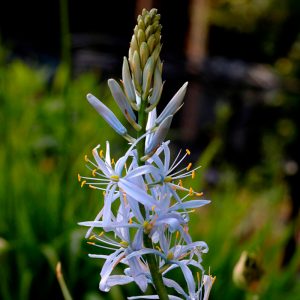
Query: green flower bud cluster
[[142, 77], [141, 87]]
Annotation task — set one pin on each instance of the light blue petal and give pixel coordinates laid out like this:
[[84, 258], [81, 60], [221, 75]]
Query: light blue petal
[[174, 104], [159, 135], [171, 297], [108, 267], [118, 280], [121, 99], [144, 252], [100, 224], [136, 193], [100, 163], [108, 200], [173, 284], [189, 204], [107, 114], [189, 278]]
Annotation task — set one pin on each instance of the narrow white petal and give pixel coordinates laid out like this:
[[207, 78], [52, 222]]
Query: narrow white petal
[[189, 204], [174, 104], [136, 193], [107, 114]]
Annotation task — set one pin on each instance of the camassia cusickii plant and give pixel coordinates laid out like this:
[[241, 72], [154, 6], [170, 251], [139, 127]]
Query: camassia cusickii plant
[[143, 222]]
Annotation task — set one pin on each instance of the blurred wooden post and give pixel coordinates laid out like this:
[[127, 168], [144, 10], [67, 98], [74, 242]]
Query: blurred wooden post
[[196, 50], [197, 34]]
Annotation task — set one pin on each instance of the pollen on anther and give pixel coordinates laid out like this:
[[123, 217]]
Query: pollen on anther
[[94, 172], [86, 158], [101, 233], [130, 221], [92, 237], [104, 194], [180, 183], [153, 207], [191, 192], [189, 166], [101, 153], [112, 161], [79, 177], [92, 187], [193, 174], [177, 234], [199, 194], [91, 243], [83, 183], [188, 152]]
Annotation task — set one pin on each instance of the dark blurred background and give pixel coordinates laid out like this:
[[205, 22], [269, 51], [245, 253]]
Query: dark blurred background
[[240, 119]]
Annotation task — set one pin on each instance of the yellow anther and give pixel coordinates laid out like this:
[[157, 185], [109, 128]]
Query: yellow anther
[[180, 183], [79, 177], [199, 194], [191, 192], [101, 233], [91, 243], [92, 237], [101, 153], [124, 243], [83, 183], [188, 152], [86, 158], [94, 172], [92, 187], [113, 161], [170, 255], [104, 193], [147, 227], [189, 166], [168, 179], [130, 221], [114, 177], [193, 174], [153, 208], [193, 210], [158, 248], [177, 235], [198, 276]]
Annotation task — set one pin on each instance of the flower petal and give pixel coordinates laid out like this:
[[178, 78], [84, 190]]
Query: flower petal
[[107, 114]]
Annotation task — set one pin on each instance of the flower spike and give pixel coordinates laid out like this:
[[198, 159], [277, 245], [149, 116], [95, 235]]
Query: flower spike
[[143, 221]]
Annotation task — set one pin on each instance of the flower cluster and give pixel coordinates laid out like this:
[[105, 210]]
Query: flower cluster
[[143, 224]]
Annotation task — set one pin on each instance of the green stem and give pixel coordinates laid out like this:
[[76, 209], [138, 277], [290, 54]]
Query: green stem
[[154, 270], [62, 283], [142, 117], [152, 263]]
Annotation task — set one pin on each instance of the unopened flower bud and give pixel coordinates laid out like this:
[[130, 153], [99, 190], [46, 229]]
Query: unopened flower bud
[[147, 77], [144, 54], [137, 71]]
